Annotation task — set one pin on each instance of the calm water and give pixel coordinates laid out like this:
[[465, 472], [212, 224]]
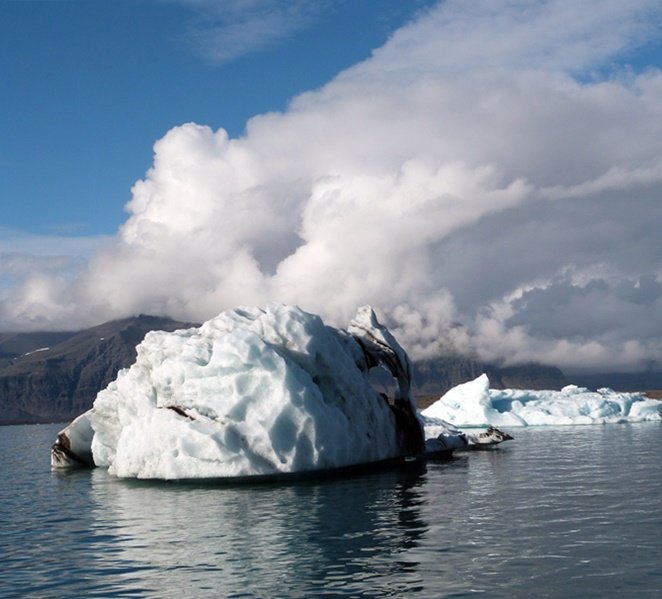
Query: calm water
[[564, 512]]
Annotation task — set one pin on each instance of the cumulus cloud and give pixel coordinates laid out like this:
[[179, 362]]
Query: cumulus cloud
[[484, 179]]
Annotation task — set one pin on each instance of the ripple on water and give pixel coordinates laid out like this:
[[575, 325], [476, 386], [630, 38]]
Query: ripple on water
[[557, 513]]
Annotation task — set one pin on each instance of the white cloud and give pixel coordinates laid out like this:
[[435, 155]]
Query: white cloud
[[474, 179], [35, 278], [225, 30], [23, 255], [548, 35]]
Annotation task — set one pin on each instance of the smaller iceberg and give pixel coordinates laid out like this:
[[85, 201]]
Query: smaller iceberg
[[474, 404], [442, 437]]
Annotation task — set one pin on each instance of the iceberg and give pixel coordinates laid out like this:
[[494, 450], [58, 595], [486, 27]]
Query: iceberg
[[251, 392], [474, 404]]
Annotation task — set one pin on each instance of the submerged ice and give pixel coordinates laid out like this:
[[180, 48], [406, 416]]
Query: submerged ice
[[250, 392], [475, 404]]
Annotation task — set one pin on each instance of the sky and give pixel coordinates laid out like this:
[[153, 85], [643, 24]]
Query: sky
[[488, 175]]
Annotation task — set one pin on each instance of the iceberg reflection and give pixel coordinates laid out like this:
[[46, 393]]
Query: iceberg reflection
[[344, 535]]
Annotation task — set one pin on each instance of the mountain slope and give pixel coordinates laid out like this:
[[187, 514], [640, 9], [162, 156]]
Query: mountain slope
[[15, 345], [435, 377], [57, 383]]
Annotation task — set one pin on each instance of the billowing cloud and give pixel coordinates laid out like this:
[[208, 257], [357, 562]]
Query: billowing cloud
[[485, 179]]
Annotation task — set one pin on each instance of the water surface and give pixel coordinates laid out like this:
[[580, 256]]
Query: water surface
[[559, 512]]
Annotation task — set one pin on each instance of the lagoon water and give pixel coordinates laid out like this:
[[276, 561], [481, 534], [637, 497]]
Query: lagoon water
[[558, 512]]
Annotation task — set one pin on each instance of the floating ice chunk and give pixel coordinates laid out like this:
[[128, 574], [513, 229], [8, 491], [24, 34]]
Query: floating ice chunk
[[73, 446], [475, 404], [441, 436], [250, 392], [488, 438]]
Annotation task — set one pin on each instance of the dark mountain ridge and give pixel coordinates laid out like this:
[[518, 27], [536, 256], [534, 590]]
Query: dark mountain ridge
[[15, 345], [59, 382], [621, 381]]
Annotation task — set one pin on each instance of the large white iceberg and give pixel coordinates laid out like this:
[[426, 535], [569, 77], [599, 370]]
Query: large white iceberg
[[250, 392], [474, 404]]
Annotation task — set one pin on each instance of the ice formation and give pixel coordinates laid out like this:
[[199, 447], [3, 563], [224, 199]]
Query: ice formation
[[74, 444], [475, 404], [250, 392]]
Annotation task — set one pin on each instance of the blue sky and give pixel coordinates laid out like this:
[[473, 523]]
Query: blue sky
[[88, 86], [487, 174]]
